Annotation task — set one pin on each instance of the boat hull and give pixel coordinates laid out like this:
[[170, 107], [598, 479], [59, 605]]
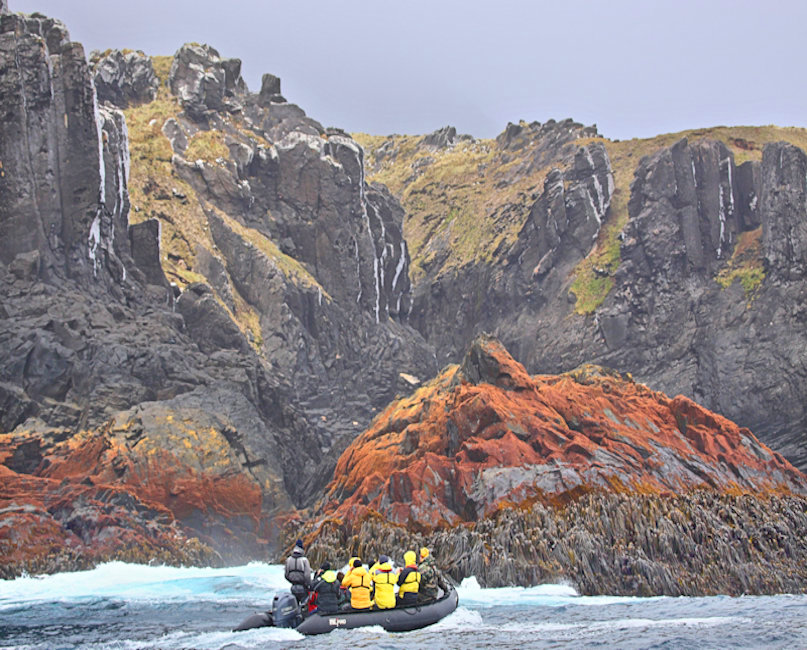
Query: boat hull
[[398, 619]]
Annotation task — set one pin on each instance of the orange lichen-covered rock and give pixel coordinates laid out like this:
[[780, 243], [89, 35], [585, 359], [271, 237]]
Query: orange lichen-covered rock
[[486, 433], [70, 500]]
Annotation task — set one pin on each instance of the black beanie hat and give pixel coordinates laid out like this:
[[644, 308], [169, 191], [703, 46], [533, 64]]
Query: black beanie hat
[[299, 543]]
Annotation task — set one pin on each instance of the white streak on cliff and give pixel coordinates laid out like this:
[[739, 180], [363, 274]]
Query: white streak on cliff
[[100, 133]]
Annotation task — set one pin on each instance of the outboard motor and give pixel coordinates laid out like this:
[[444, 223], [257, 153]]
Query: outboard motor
[[286, 611]]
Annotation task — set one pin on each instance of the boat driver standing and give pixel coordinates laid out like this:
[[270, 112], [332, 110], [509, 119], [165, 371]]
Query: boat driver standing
[[298, 572]]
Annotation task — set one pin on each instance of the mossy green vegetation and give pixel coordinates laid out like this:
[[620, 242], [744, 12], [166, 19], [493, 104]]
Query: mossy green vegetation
[[162, 68], [465, 202], [469, 198], [208, 146], [593, 277], [745, 264]]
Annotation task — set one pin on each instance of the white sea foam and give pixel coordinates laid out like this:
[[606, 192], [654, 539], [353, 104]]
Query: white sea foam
[[259, 638], [471, 592], [133, 582], [462, 618]]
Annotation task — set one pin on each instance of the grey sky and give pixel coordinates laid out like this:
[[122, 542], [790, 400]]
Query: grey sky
[[634, 68]]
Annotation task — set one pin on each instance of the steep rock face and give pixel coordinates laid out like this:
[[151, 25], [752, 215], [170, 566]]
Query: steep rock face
[[690, 278], [470, 286], [52, 142], [487, 433], [568, 215], [191, 328], [783, 201], [683, 332], [124, 78], [294, 234]]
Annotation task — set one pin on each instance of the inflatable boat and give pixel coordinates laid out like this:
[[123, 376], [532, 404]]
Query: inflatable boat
[[286, 613]]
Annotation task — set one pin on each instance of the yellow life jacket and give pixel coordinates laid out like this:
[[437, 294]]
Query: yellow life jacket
[[385, 581], [409, 581], [360, 584]]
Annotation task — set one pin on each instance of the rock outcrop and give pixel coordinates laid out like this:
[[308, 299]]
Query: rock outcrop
[[124, 78], [203, 301], [142, 289], [682, 268], [587, 477], [486, 432]]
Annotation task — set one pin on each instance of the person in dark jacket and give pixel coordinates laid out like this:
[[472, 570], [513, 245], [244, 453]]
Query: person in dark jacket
[[298, 572], [344, 592], [327, 591], [430, 578]]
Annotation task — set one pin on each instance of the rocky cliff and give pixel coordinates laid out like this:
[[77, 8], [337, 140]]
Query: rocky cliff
[[196, 278], [677, 259], [204, 300]]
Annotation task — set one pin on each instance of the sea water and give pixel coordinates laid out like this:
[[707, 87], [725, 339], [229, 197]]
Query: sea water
[[127, 606]]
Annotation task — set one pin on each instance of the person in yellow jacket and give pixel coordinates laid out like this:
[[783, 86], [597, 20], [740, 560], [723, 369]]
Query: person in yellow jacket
[[349, 567], [360, 584], [409, 580], [385, 581]]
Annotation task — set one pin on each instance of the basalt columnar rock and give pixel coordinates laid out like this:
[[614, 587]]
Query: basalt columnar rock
[[587, 477], [210, 273], [203, 301], [665, 258]]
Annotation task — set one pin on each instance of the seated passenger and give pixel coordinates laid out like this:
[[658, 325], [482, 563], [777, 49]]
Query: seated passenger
[[409, 581], [326, 590], [430, 577], [360, 584], [344, 594], [385, 581]]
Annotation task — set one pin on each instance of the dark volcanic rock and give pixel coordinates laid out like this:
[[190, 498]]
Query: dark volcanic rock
[[782, 204], [204, 81], [144, 239], [207, 322], [567, 217], [270, 90], [442, 138], [124, 78]]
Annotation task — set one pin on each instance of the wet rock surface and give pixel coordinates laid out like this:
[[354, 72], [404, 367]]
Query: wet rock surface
[[694, 544]]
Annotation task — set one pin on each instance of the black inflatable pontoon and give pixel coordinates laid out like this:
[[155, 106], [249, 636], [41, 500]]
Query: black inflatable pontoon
[[399, 619]]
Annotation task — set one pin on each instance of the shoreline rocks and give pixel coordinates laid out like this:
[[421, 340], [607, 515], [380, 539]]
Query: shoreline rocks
[[695, 544]]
